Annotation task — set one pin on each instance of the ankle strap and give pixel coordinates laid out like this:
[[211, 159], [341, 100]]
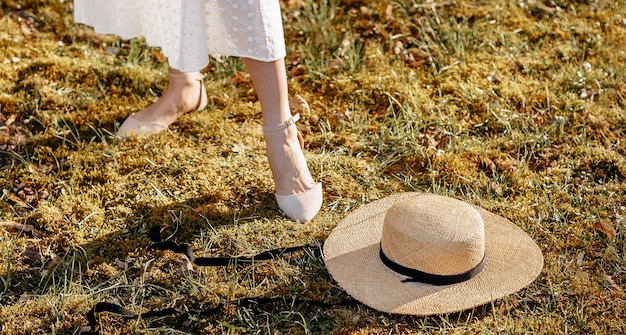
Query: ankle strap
[[292, 120]]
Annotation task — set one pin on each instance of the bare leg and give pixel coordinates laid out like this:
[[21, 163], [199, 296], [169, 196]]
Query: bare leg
[[185, 93], [289, 168], [270, 83]]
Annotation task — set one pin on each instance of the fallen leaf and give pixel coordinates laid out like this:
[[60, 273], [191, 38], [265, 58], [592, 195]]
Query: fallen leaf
[[314, 119], [298, 104], [298, 72], [17, 200], [54, 261], [607, 229], [340, 115], [496, 187], [239, 78], [548, 7], [538, 297], [28, 22], [29, 228], [32, 255], [91, 262], [10, 120], [121, 264]]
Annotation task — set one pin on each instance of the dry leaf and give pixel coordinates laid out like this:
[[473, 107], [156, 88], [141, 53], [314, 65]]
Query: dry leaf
[[496, 187], [297, 104], [54, 261], [29, 228], [314, 119], [298, 72], [17, 200], [91, 262], [538, 297], [341, 114], [548, 7], [239, 78], [10, 120], [607, 229], [28, 23], [32, 255], [121, 264]]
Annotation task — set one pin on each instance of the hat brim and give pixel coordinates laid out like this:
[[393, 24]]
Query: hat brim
[[351, 254]]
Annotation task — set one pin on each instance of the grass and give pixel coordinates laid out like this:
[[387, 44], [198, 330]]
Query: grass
[[517, 107]]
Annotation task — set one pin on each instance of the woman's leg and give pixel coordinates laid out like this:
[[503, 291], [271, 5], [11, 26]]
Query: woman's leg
[[185, 93], [296, 192]]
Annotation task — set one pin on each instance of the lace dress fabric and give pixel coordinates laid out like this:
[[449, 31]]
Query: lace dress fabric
[[187, 31]]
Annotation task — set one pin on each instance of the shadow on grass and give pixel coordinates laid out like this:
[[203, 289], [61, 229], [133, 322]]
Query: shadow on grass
[[98, 267], [109, 267]]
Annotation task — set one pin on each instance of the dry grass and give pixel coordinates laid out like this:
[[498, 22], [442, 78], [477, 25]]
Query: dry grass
[[516, 106]]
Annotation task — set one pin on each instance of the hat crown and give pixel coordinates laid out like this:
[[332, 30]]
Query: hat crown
[[434, 234]]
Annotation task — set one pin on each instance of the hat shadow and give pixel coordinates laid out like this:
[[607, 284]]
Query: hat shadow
[[117, 245]]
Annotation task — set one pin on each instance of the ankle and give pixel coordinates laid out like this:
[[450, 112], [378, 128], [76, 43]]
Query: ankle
[[287, 161]]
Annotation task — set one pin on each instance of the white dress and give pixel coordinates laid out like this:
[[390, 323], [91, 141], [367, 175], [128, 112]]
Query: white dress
[[187, 31]]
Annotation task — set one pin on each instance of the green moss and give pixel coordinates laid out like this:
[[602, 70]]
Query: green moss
[[482, 101]]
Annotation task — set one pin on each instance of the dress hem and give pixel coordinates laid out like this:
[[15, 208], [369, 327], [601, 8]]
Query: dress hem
[[182, 68]]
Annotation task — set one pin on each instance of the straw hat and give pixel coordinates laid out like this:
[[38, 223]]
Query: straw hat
[[447, 255]]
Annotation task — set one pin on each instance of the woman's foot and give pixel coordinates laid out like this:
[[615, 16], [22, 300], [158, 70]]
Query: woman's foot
[[297, 194], [185, 93]]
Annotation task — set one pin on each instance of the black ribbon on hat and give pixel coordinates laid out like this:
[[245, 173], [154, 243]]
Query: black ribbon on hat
[[429, 278]]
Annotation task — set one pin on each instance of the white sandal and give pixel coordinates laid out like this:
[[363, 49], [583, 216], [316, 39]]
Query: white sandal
[[302, 206], [133, 126]]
